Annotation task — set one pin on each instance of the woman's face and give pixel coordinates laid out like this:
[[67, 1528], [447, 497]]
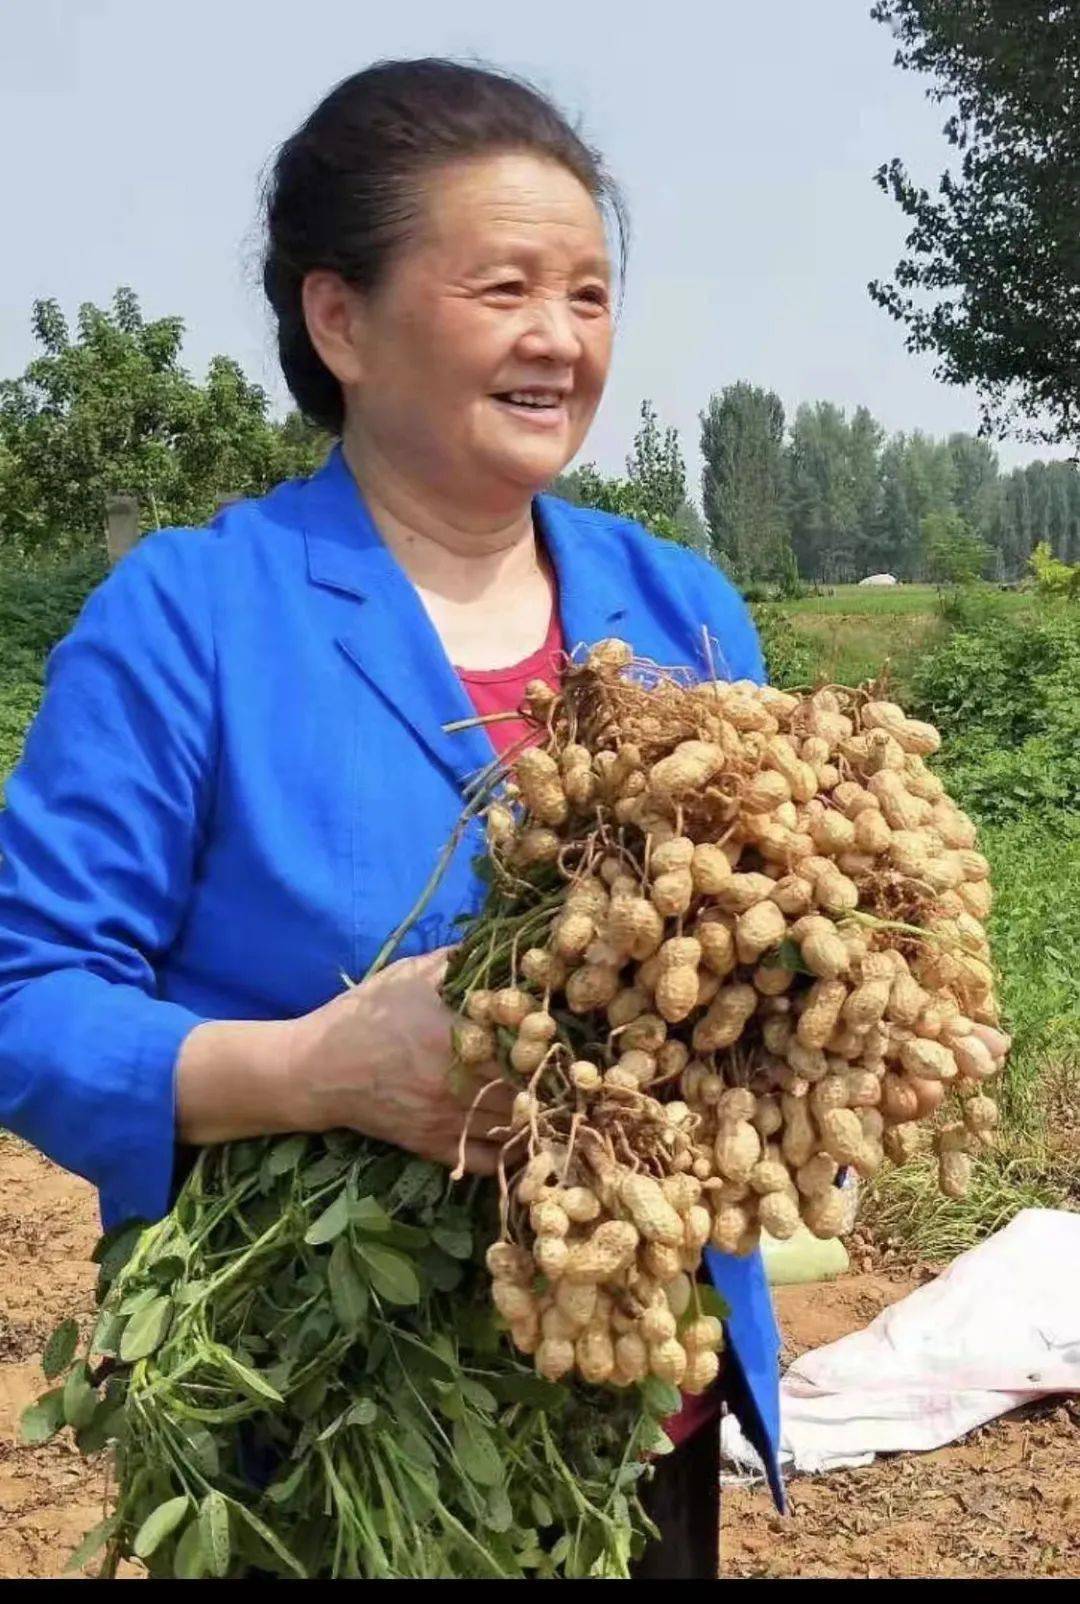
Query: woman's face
[[481, 359]]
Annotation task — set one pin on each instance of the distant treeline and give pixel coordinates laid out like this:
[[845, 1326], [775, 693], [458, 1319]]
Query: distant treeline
[[834, 494], [829, 497]]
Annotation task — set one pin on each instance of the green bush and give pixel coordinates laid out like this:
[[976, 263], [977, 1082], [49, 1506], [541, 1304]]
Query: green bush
[[38, 605], [787, 653], [1004, 694]]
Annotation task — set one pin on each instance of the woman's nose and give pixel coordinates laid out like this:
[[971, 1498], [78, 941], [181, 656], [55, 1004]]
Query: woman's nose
[[551, 333]]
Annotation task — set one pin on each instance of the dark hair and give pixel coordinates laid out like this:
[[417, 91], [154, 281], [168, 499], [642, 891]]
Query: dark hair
[[345, 188]]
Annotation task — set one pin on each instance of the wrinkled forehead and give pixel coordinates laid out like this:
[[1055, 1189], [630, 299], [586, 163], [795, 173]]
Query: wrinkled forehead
[[496, 209]]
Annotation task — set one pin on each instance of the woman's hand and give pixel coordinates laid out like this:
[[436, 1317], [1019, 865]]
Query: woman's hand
[[376, 1060]]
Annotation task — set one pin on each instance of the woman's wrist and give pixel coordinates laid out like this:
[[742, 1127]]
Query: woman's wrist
[[237, 1078]]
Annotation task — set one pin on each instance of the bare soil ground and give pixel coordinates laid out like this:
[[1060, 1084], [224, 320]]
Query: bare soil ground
[[1004, 1502]]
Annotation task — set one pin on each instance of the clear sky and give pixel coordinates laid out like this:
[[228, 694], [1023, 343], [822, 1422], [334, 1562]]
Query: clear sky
[[745, 134]]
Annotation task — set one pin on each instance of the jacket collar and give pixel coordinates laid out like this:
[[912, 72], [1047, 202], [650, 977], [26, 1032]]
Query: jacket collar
[[395, 645]]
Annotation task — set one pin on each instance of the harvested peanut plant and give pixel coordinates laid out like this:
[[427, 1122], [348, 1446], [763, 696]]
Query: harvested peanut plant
[[734, 945]]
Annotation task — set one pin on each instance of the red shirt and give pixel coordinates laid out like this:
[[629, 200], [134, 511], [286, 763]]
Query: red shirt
[[502, 690]]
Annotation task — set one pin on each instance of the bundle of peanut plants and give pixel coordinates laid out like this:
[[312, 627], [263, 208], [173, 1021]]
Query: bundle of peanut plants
[[735, 946]]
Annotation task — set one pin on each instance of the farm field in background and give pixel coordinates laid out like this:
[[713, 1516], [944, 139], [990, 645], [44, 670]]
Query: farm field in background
[[852, 633], [857, 601]]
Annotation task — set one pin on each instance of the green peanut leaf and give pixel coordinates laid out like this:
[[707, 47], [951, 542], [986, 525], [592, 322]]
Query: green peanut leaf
[[444, 1273], [392, 1275], [531, 1390], [348, 1293], [455, 1240], [80, 1399], [272, 1541], [660, 1397], [712, 1303], [146, 1330], [159, 1524], [104, 1426], [286, 1155], [115, 1248], [477, 1454], [249, 1381], [214, 1533], [478, 1395], [368, 1215], [413, 1181], [279, 1492], [43, 1419], [107, 1334], [364, 1412], [60, 1349], [330, 1223], [499, 1512], [201, 1447], [189, 1561], [788, 955]]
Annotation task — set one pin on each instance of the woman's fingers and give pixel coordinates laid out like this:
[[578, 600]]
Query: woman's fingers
[[481, 1158]]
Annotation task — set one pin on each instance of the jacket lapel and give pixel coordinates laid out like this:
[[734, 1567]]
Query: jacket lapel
[[593, 600], [394, 644]]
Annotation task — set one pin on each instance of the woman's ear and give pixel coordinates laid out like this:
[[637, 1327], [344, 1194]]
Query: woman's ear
[[333, 313]]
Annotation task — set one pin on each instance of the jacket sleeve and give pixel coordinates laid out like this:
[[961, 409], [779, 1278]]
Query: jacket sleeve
[[734, 637], [98, 840]]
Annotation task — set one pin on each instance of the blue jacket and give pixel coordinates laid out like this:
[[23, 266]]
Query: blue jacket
[[238, 783]]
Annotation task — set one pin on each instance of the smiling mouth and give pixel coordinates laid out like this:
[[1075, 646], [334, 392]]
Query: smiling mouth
[[541, 411], [539, 401]]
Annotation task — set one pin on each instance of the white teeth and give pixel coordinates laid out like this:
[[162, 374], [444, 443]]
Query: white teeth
[[534, 398]]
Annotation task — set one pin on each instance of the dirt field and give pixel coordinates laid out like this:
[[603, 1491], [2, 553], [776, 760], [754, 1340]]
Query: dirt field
[[1005, 1502]]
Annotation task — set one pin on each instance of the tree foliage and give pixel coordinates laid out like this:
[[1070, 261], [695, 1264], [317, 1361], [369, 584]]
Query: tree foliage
[[654, 492], [109, 408], [743, 483], [655, 467], [833, 490], [990, 282], [1052, 577], [951, 554]]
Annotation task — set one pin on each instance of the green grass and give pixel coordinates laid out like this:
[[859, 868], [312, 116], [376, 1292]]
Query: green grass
[[37, 608], [846, 649], [852, 600], [906, 1208], [852, 635]]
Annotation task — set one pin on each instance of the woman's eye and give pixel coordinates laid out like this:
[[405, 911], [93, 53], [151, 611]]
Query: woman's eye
[[514, 287], [592, 294]]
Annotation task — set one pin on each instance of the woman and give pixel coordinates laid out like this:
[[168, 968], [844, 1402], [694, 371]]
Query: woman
[[239, 779]]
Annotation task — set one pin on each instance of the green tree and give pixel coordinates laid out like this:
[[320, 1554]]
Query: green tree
[[990, 279], [110, 408], [691, 528], [655, 466], [624, 499], [977, 484], [951, 554], [834, 488], [742, 441], [1053, 577], [654, 492]]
